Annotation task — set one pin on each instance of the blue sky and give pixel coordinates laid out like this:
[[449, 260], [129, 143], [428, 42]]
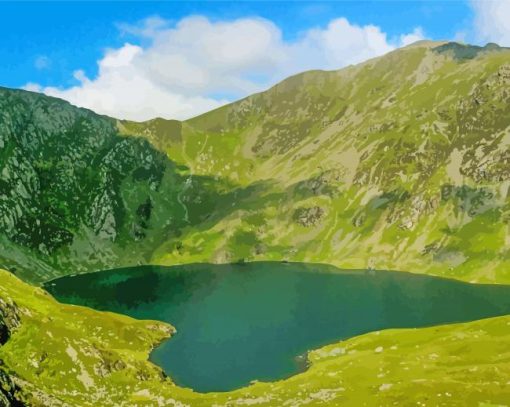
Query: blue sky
[[74, 35], [44, 44]]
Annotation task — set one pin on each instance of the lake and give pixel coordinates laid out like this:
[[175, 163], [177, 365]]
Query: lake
[[256, 321]]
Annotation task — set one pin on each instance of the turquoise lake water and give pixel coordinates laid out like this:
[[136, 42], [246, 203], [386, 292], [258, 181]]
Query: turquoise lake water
[[256, 321]]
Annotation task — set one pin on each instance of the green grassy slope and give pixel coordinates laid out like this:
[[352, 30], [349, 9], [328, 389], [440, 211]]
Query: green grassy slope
[[62, 355], [76, 195], [398, 163]]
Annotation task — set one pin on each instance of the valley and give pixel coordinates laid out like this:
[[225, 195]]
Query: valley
[[390, 177], [398, 163]]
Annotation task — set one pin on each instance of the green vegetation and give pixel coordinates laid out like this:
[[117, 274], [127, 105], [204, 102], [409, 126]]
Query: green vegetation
[[401, 163], [391, 164]]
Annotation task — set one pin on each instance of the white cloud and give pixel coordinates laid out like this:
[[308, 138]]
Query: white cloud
[[416, 35], [340, 44], [461, 36], [123, 90], [186, 66], [492, 21], [202, 57], [149, 28]]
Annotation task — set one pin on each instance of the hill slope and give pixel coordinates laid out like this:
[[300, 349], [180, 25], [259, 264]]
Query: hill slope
[[400, 162], [74, 194]]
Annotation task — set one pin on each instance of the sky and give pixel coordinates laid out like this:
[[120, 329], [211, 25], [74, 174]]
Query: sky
[[177, 59]]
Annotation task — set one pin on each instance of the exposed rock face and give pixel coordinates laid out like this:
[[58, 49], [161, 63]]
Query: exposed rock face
[[9, 320], [4, 332], [62, 170], [75, 193], [9, 392], [309, 216], [62, 173]]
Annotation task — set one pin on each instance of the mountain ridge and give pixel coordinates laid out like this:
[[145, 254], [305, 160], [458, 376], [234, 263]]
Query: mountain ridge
[[373, 165], [427, 63]]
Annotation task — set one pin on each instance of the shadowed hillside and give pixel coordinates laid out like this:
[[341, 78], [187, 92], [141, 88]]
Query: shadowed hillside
[[74, 194]]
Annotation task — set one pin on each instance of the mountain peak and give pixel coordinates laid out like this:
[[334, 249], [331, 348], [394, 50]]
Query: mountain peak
[[463, 51], [426, 44]]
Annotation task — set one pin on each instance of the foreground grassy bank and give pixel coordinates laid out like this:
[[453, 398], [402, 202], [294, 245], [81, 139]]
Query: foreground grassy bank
[[62, 355]]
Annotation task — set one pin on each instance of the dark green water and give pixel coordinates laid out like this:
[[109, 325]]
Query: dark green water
[[238, 323]]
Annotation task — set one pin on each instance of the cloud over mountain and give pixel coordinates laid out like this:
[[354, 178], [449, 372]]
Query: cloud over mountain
[[492, 21], [197, 64]]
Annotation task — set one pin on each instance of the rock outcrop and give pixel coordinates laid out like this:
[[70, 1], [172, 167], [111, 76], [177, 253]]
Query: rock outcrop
[[10, 393], [9, 320]]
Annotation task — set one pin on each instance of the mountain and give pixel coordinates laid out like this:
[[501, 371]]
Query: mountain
[[401, 162], [398, 163], [394, 163], [75, 193]]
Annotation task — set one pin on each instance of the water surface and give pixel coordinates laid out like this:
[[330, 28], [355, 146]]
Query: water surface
[[238, 323]]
